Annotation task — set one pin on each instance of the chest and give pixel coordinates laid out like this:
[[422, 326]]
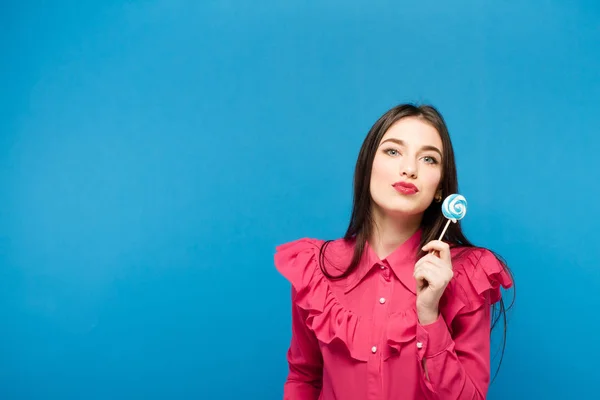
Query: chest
[[378, 294]]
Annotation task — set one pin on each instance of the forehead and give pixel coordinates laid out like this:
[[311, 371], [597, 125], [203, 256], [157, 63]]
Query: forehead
[[414, 131]]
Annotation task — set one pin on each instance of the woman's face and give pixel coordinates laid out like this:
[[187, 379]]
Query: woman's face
[[407, 168]]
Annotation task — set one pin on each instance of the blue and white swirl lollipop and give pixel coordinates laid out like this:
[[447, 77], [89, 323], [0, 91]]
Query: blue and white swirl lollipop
[[454, 208]]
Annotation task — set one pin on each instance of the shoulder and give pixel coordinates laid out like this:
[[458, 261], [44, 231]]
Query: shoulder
[[299, 258], [468, 258], [479, 275], [335, 249], [300, 261]]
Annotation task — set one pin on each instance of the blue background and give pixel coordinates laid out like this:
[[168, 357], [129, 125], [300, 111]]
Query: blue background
[[154, 153]]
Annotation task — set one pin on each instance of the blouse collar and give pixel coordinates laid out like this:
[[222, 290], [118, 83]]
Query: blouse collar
[[401, 261]]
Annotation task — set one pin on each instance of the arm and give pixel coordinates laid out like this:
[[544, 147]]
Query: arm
[[457, 366], [304, 379]]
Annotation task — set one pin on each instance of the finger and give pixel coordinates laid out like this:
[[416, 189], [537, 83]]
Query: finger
[[427, 276], [435, 261], [426, 272], [428, 267], [427, 261], [437, 272], [429, 257], [420, 261], [442, 270], [436, 245], [442, 248], [432, 277], [422, 277]]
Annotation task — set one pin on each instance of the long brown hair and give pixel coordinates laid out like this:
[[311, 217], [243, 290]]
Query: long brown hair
[[433, 221]]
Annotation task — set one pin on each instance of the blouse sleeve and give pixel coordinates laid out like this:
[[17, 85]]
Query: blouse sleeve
[[304, 379], [295, 260], [454, 351]]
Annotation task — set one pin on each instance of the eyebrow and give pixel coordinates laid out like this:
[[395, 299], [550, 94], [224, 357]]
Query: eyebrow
[[401, 143]]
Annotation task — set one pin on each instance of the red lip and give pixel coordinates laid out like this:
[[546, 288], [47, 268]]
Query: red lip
[[405, 187]]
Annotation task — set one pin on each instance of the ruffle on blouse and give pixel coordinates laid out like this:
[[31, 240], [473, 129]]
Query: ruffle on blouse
[[327, 318], [298, 262], [478, 276]]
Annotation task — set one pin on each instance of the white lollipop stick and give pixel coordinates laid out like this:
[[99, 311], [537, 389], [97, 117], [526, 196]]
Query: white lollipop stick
[[445, 228]]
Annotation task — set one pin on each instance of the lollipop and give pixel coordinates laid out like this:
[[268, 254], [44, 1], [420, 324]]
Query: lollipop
[[454, 208]]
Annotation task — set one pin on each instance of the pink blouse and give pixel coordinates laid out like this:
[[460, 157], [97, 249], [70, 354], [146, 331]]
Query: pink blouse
[[359, 338]]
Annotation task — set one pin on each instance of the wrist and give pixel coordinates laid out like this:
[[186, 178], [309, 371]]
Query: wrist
[[427, 316]]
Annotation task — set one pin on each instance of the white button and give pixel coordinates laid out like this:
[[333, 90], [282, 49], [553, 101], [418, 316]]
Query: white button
[[382, 266], [374, 349], [419, 345], [382, 300]]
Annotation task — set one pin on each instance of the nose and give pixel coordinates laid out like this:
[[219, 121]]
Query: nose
[[408, 169]]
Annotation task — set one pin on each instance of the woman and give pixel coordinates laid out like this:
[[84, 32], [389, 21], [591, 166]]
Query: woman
[[388, 311]]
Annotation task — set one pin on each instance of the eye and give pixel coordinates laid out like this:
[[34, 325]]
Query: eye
[[430, 160], [392, 152]]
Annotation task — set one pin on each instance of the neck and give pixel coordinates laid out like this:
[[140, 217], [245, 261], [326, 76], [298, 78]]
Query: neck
[[390, 232]]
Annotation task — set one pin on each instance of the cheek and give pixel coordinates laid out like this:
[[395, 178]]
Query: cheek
[[382, 169], [432, 179], [376, 171]]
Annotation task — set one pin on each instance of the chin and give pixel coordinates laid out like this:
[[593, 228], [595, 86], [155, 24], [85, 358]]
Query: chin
[[402, 212], [402, 209]]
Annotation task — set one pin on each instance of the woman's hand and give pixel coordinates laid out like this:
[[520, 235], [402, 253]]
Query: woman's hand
[[432, 273]]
